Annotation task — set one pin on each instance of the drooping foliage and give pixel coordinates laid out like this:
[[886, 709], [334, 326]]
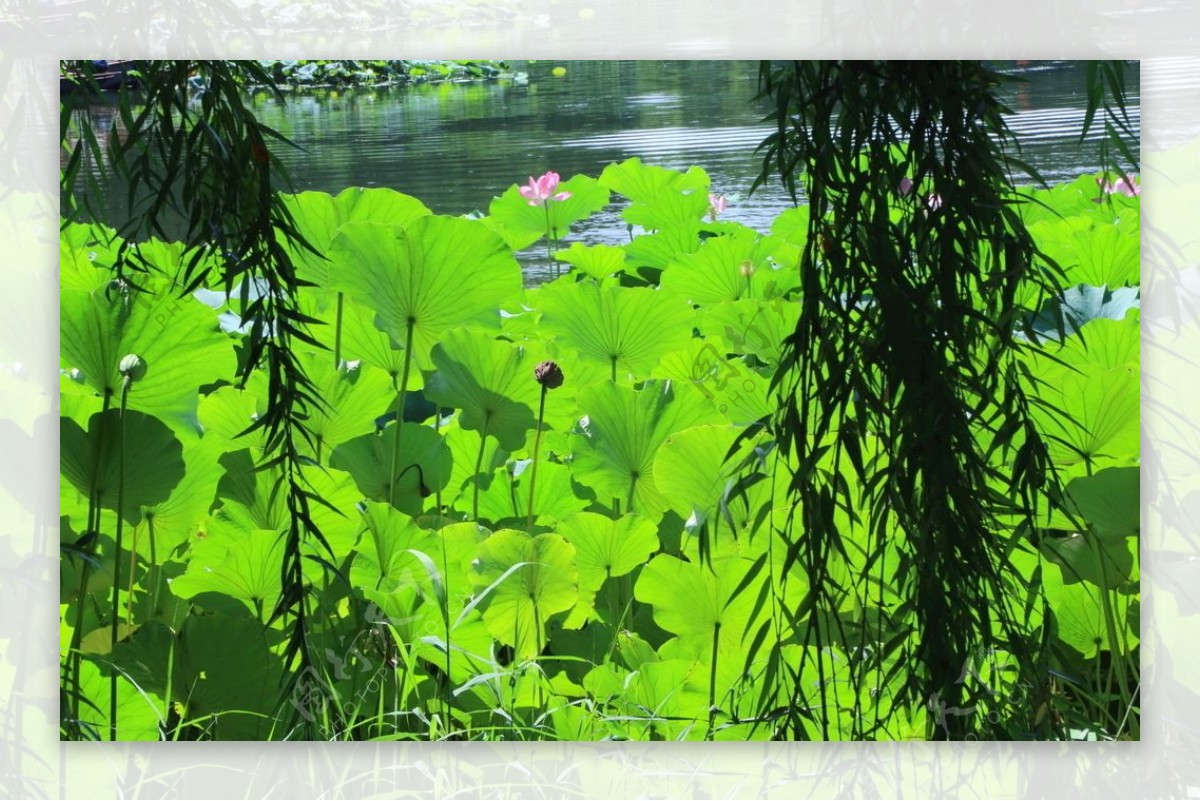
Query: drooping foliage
[[200, 170], [906, 370]]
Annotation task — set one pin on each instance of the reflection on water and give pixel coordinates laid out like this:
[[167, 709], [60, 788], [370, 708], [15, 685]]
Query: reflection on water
[[455, 146]]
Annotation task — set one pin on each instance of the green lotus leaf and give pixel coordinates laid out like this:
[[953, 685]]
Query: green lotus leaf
[[422, 611], [624, 330], [146, 659], [1099, 419], [605, 548], [1104, 344], [360, 340], [152, 459], [667, 700], [738, 392], [464, 448], [705, 608], [243, 564], [1079, 613], [319, 216], [657, 250], [507, 497], [514, 213], [384, 562], [1081, 197], [598, 261], [666, 209], [85, 257], [490, 381], [353, 397], [227, 413], [139, 711], [369, 458], [1080, 305], [76, 400], [168, 524], [177, 339], [255, 502], [692, 601], [605, 683], [753, 327], [89, 253], [543, 582], [792, 226], [517, 239], [741, 265], [1084, 557], [572, 723], [230, 672], [638, 181], [562, 410], [169, 260], [187, 670], [436, 275], [614, 454], [634, 650], [1107, 507], [1110, 501], [519, 321], [692, 473], [1091, 253]]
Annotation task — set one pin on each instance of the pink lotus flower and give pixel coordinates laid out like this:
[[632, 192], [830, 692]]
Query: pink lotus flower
[[1127, 185], [540, 190], [716, 205], [934, 202], [905, 186]]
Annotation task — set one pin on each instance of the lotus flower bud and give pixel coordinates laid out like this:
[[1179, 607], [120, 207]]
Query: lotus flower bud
[[132, 367], [549, 375]]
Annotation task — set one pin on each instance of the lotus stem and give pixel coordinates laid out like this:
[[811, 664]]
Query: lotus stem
[[337, 332], [550, 244], [446, 622], [85, 573], [537, 446], [403, 390], [116, 589], [423, 488], [437, 427], [712, 680], [479, 468], [154, 563], [132, 573]]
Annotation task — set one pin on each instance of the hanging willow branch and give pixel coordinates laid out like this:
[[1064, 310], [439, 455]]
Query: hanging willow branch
[[903, 368], [197, 167]]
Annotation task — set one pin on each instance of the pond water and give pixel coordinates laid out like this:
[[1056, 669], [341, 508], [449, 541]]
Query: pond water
[[455, 146]]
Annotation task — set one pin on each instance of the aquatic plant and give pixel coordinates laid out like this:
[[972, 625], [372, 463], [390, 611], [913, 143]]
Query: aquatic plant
[[569, 520]]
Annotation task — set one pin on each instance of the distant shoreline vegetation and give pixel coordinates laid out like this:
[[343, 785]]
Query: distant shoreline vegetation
[[334, 74]]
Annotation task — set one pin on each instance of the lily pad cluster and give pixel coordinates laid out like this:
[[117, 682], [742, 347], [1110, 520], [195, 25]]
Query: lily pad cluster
[[307, 73], [456, 597]]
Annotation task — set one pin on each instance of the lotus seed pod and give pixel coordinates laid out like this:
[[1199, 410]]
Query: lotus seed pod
[[549, 375], [132, 367]]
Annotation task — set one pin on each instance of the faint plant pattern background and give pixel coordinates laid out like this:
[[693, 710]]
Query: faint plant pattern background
[[34, 35]]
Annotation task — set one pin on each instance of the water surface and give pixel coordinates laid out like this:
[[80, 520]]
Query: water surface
[[456, 146]]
